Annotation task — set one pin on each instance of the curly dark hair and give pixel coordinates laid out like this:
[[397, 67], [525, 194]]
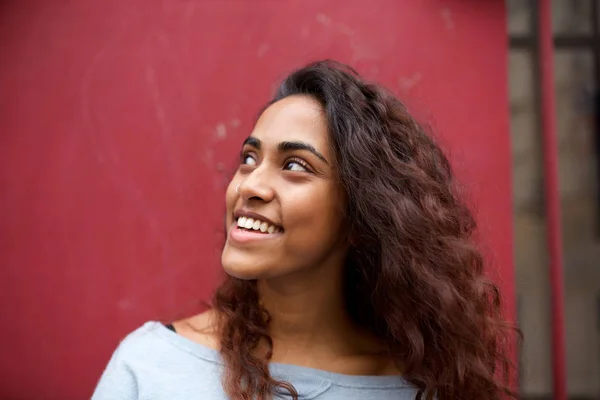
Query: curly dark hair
[[414, 276]]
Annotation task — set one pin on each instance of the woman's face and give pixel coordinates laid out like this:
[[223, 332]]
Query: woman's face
[[284, 205]]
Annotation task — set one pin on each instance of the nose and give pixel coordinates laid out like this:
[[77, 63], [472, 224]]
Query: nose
[[256, 186]]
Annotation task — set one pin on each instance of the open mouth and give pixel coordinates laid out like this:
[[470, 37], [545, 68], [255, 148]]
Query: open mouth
[[256, 225]]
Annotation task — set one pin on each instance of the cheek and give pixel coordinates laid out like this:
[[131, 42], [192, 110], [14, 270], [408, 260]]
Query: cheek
[[230, 199], [316, 215]]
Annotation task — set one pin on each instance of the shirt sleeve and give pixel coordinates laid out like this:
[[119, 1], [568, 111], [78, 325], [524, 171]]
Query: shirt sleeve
[[118, 381]]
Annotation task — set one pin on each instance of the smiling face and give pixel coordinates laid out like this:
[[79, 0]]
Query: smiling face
[[284, 204]]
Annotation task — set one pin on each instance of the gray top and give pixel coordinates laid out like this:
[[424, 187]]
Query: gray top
[[156, 363]]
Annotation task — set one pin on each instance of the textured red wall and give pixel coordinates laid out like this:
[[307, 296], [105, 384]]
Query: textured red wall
[[120, 119]]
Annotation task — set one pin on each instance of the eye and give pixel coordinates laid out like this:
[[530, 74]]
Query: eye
[[248, 159], [296, 165]]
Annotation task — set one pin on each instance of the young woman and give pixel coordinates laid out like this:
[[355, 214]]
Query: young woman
[[351, 267]]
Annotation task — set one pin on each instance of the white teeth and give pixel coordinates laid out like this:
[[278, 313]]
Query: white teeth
[[255, 224]]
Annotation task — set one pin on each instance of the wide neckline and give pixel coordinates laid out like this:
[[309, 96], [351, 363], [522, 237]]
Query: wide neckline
[[287, 370]]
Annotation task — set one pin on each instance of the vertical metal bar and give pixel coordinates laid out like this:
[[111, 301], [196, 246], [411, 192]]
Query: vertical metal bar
[[552, 196], [537, 90], [596, 100]]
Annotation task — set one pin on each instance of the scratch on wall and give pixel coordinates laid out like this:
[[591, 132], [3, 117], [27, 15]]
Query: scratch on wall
[[361, 49], [262, 50], [323, 19], [208, 156], [408, 83], [345, 30], [326, 20], [221, 131], [159, 108], [107, 155], [84, 89], [165, 130], [448, 19]]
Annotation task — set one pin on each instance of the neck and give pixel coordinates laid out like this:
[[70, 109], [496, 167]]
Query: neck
[[308, 316], [300, 309]]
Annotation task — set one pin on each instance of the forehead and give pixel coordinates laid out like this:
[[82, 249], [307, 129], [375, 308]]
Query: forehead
[[294, 118]]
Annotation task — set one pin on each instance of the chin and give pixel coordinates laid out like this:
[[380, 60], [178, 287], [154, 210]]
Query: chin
[[241, 267], [242, 273]]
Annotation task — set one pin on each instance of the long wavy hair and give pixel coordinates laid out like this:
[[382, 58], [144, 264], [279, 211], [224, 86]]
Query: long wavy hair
[[414, 276]]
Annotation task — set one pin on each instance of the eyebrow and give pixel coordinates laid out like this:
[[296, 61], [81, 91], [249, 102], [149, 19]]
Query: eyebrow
[[288, 146]]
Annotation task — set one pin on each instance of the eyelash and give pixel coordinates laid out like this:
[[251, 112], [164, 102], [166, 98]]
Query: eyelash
[[299, 161]]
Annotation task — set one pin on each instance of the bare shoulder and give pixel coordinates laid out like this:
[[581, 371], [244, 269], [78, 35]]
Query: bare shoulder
[[201, 328]]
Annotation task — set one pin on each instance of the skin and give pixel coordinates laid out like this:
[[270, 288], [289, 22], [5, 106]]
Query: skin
[[298, 270]]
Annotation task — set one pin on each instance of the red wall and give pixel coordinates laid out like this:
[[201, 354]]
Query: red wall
[[120, 119]]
